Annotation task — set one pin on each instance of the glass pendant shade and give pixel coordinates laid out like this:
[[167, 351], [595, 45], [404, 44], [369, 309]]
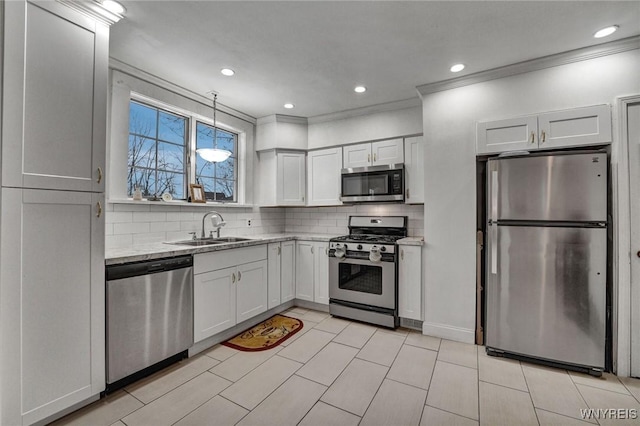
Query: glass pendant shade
[[215, 154]]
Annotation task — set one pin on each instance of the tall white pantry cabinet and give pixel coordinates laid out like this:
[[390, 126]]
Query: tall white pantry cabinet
[[54, 93]]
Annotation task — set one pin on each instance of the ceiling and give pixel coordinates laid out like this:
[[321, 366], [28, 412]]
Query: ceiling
[[313, 53]]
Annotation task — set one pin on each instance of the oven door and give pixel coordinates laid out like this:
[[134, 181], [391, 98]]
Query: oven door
[[363, 281], [378, 183]]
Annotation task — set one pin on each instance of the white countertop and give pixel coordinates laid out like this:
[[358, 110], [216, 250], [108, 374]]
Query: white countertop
[[411, 241], [136, 253]]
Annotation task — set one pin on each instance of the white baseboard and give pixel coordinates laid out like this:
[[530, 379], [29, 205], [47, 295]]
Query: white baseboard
[[458, 334]]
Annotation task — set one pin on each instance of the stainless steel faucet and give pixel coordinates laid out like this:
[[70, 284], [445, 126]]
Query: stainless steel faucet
[[217, 225]]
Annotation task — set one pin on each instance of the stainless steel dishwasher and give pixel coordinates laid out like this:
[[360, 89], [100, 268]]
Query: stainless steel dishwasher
[[149, 317]]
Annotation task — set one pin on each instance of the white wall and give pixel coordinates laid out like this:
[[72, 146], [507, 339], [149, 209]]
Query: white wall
[[386, 124], [449, 119]]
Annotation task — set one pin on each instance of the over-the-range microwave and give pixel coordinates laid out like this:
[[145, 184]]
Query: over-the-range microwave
[[373, 184]]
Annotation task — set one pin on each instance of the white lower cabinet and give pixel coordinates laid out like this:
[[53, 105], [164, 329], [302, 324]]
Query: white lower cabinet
[[281, 266], [410, 282], [214, 304], [52, 309], [230, 286], [312, 271]]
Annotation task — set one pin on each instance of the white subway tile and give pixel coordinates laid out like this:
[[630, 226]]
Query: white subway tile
[[149, 216], [117, 241], [155, 237], [179, 216], [118, 217], [131, 207], [164, 226], [130, 228], [327, 222]]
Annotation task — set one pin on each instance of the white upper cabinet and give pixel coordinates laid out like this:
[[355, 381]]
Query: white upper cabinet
[[559, 129], [414, 170], [513, 134], [55, 94], [387, 152], [373, 153], [323, 179], [575, 127], [282, 178]]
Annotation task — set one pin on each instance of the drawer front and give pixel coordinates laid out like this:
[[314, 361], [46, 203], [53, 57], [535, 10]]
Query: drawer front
[[206, 262]]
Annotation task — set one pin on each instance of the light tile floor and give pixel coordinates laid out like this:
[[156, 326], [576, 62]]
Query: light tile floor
[[338, 372]]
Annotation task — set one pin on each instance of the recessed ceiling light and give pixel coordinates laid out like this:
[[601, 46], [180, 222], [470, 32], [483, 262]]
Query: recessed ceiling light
[[113, 6], [360, 89], [289, 106], [457, 68], [606, 31], [227, 71]]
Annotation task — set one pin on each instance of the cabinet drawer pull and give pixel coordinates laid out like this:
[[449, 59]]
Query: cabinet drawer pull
[[99, 174], [233, 278], [543, 137], [99, 209], [533, 137]]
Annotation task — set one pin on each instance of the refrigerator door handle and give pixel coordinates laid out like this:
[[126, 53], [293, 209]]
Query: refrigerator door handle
[[494, 194], [494, 249]]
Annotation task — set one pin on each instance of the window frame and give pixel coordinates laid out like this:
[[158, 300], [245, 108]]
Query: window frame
[[190, 143], [193, 161]]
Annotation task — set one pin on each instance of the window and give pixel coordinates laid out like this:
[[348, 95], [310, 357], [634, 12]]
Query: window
[[217, 179], [161, 158], [156, 160]]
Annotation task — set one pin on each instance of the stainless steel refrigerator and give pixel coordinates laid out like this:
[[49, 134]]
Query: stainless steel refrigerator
[[547, 259]]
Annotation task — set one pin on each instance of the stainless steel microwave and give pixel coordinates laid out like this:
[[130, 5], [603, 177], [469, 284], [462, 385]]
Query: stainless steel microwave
[[373, 184]]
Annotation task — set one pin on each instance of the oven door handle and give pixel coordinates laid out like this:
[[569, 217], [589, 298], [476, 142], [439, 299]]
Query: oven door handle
[[382, 262]]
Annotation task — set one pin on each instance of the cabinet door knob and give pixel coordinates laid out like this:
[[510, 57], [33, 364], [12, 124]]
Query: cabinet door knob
[[311, 249], [638, 253], [543, 137], [233, 278], [99, 174], [99, 209], [408, 193], [239, 276], [533, 137], [368, 158]]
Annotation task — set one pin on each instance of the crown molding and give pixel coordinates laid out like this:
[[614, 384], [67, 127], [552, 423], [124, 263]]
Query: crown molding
[[281, 118], [93, 10], [357, 112], [125, 68], [577, 55]]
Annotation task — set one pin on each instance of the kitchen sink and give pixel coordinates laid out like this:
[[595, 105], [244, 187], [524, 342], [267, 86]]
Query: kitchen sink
[[208, 241]]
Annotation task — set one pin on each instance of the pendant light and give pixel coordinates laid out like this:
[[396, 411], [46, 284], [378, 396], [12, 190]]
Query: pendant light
[[214, 155]]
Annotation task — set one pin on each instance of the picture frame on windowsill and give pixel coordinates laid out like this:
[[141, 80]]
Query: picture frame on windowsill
[[197, 193]]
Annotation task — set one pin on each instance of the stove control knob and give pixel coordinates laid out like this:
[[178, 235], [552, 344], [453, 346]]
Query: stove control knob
[[383, 248], [359, 247], [344, 246]]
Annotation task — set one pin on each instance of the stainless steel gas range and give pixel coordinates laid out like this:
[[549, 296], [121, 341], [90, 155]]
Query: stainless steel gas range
[[363, 270]]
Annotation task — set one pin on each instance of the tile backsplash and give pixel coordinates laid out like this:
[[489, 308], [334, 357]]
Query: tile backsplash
[[335, 220], [130, 224]]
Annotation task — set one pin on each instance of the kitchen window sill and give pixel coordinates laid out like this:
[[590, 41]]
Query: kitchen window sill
[[208, 204]]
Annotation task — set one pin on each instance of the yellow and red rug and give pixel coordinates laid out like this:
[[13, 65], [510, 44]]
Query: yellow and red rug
[[265, 335]]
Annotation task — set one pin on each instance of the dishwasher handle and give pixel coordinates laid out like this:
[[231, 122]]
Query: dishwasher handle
[[127, 270]]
